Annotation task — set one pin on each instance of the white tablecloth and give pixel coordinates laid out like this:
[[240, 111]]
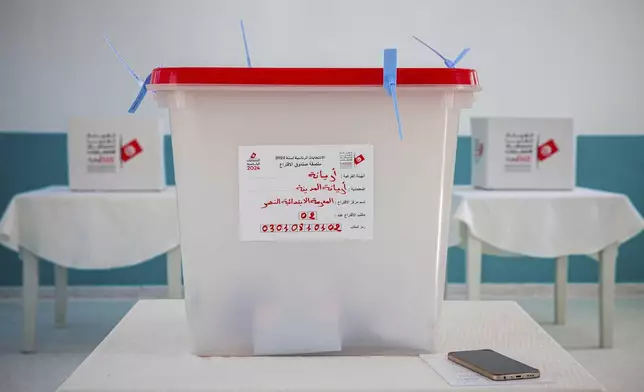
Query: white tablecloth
[[543, 223], [92, 230]]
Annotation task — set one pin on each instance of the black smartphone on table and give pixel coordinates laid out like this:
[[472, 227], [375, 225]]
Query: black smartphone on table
[[493, 365]]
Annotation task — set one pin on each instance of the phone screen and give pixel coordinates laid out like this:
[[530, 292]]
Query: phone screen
[[493, 362]]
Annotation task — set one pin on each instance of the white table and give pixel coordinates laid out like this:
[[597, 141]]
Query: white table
[[148, 351], [88, 230], [549, 224]]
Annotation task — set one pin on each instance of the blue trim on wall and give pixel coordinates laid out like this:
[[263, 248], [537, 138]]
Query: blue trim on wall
[[614, 163]]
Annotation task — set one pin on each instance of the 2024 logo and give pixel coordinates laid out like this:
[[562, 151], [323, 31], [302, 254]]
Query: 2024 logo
[[253, 163]]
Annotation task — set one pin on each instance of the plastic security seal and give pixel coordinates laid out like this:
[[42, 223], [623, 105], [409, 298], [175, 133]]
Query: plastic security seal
[[140, 95], [390, 71], [122, 61], [243, 31], [448, 63], [142, 83]]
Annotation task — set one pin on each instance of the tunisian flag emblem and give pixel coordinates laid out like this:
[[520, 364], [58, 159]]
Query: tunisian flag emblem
[[130, 150], [547, 149]]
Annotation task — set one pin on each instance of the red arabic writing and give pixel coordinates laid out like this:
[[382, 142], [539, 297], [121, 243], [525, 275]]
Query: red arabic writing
[[326, 187], [321, 175], [299, 202]]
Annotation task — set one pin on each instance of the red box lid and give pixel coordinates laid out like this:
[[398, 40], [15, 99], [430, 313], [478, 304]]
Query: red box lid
[[311, 76]]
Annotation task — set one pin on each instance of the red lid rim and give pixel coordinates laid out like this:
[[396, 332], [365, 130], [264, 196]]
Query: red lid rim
[[311, 76]]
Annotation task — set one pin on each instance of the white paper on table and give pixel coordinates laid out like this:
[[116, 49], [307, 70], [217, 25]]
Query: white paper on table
[[459, 376]]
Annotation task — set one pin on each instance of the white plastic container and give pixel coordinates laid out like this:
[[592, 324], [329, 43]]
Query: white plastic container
[[115, 154], [307, 225], [523, 153]]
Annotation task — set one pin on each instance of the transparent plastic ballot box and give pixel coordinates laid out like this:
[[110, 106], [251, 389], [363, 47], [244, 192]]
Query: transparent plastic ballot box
[[308, 225]]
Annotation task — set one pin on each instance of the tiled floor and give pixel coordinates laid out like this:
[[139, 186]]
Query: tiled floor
[[62, 350], [620, 369]]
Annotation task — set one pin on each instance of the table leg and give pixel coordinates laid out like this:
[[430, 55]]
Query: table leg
[[174, 273], [561, 280], [474, 255], [60, 279], [607, 262], [30, 286]]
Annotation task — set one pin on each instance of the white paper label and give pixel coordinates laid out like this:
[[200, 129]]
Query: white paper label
[[102, 152], [520, 148], [306, 193]]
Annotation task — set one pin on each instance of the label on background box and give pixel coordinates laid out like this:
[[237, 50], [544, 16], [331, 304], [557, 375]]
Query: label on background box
[[519, 152], [102, 152], [306, 193]]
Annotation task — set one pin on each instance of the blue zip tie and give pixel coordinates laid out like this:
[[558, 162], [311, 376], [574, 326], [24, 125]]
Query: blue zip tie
[[118, 55], [142, 84], [390, 68], [139, 97], [395, 99], [460, 57], [248, 63], [448, 63], [390, 71]]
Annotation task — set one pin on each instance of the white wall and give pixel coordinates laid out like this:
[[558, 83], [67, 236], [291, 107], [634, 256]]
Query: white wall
[[578, 58]]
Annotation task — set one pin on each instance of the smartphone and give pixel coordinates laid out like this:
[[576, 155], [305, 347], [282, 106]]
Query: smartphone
[[493, 365]]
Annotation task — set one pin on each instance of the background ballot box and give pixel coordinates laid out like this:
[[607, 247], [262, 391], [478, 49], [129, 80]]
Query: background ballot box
[[116, 154], [523, 153], [307, 224]]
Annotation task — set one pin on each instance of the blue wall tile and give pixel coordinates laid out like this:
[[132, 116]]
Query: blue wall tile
[[614, 163]]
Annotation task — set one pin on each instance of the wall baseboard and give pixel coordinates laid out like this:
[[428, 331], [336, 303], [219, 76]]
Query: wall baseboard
[[543, 290], [455, 291]]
